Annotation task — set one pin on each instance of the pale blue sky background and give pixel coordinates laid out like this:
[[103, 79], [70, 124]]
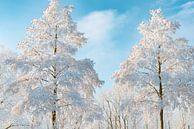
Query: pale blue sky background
[[109, 25]]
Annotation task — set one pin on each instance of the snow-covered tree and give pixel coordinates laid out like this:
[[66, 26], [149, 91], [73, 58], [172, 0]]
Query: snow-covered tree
[[120, 110], [50, 78], [82, 118], [6, 75], [8, 98], [160, 67], [5, 79]]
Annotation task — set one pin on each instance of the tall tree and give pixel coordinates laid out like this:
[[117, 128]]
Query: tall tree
[[160, 67], [48, 74]]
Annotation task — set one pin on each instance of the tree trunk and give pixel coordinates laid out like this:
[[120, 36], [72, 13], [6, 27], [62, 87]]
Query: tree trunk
[[160, 92], [161, 119], [54, 113], [169, 127], [54, 116], [146, 126]]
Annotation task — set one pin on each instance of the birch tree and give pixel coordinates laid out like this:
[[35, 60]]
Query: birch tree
[[48, 75], [160, 67]]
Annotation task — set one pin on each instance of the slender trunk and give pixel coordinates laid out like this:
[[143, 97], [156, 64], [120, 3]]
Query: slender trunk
[[160, 92], [161, 119], [169, 127], [119, 117], [54, 116], [110, 115], [115, 120], [146, 126], [54, 112], [134, 123], [124, 122]]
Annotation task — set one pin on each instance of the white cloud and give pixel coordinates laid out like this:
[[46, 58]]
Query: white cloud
[[102, 28], [187, 5], [186, 11], [165, 3], [185, 16], [98, 26]]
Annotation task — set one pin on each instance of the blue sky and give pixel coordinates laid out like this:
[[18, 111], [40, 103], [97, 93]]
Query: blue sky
[[109, 25]]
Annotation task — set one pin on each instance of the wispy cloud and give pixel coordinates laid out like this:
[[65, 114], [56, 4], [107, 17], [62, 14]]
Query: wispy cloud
[[105, 31], [165, 3], [98, 26], [187, 5], [101, 29], [185, 16], [186, 11]]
